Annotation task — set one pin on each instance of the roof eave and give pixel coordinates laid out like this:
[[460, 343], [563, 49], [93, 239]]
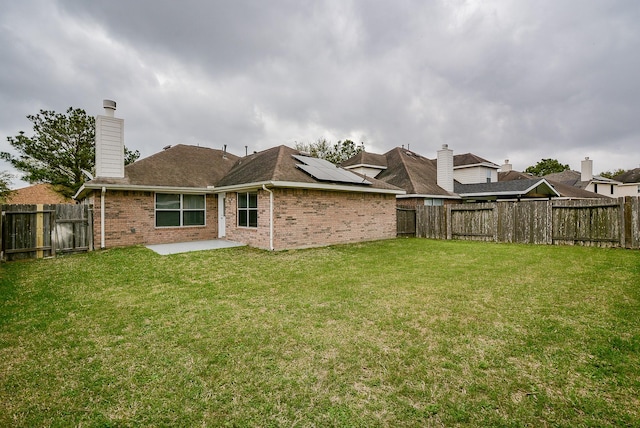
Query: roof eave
[[301, 185], [416, 195], [471, 165], [87, 187], [365, 165]]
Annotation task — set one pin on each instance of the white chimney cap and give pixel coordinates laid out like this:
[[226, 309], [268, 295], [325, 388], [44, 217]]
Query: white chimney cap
[[586, 158], [445, 146], [110, 104]]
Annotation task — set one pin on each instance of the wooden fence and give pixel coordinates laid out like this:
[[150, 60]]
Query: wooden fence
[[406, 221], [607, 223], [36, 231]]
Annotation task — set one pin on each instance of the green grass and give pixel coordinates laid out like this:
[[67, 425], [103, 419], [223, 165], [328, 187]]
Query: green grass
[[408, 332]]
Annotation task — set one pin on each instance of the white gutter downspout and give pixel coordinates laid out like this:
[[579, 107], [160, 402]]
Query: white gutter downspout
[[104, 190], [270, 216]]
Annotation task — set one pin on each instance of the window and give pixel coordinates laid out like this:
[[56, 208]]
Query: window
[[612, 189], [248, 209], [488, 176], [175, 210], [595, 187], [434, 202]]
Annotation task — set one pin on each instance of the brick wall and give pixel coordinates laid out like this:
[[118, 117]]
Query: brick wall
[[130, 220], [255, 237], [309, 218]]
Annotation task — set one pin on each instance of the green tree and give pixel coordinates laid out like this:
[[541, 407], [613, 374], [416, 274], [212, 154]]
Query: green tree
[[61, 148], [5, 181], [336, 153], [611, 174], [546, 166]]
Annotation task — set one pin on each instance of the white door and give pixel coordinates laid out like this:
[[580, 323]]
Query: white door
[[222, 219]]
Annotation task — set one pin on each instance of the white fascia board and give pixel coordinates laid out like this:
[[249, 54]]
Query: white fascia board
[[543, 180], [472, 165], [143, 188], [413, 195], [300, 185], [604, 180], [364, 165], [511, 192]]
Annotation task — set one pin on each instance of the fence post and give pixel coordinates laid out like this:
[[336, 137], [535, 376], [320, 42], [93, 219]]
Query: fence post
[[549, 232], [52, 231], [623, 223], [89, 211], [448, 222], [1, 233], [495, 221], [39, 231]]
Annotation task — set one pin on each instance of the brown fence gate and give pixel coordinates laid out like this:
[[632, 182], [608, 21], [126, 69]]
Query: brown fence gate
[[36, 231]]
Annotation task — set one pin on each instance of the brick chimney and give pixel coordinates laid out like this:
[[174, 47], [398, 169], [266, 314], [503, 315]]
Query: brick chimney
[[586, 171], [445, 168], [109, 143]]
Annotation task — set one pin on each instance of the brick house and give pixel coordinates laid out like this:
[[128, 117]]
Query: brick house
[[276, 199], [280, 199]]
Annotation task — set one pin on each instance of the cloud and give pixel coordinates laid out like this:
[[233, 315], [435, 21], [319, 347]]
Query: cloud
[[523, 81]]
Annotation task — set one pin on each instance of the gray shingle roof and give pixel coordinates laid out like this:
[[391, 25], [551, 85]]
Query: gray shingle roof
[[565, 190], [412, 172], [470, 159], [177, 166], [278, 164], [514, 188], [631, 176], [366, 158]]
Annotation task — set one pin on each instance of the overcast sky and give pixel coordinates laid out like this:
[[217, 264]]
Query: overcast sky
[[503, 79]]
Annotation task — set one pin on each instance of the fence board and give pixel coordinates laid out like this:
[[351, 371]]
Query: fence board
[[588, 222], [431, 222], [31, 231], [604, 223], [475, 222], [406, 221]]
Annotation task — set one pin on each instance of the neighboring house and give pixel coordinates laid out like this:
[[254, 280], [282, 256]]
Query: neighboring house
[[275, 199], [447, 179], [564, 190], [471, 169], [585, 180], [43, 193], [630, 183], [400, 167]]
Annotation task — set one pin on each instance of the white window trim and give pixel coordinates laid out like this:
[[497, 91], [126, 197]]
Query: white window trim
[[181, 210], [246, 209]]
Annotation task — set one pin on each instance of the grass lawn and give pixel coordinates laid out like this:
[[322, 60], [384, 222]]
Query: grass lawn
[[407, 332]]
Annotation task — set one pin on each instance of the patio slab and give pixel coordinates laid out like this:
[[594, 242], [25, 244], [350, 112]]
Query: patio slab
[[185, 247]]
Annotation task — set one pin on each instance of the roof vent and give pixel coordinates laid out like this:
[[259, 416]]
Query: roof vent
[[166, 147]]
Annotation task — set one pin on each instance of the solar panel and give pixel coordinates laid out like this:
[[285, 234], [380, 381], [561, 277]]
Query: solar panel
[[324, 170]]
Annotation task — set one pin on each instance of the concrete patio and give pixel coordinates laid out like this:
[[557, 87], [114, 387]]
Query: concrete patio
[[185, 247]]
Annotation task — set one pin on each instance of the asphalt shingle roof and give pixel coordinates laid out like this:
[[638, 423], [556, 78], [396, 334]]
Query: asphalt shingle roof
[[565, 190], [412, 172], [366, 158], [631, 176], [43, 193], [278, 164], [177, 166], [514, 187], [470, 159]]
